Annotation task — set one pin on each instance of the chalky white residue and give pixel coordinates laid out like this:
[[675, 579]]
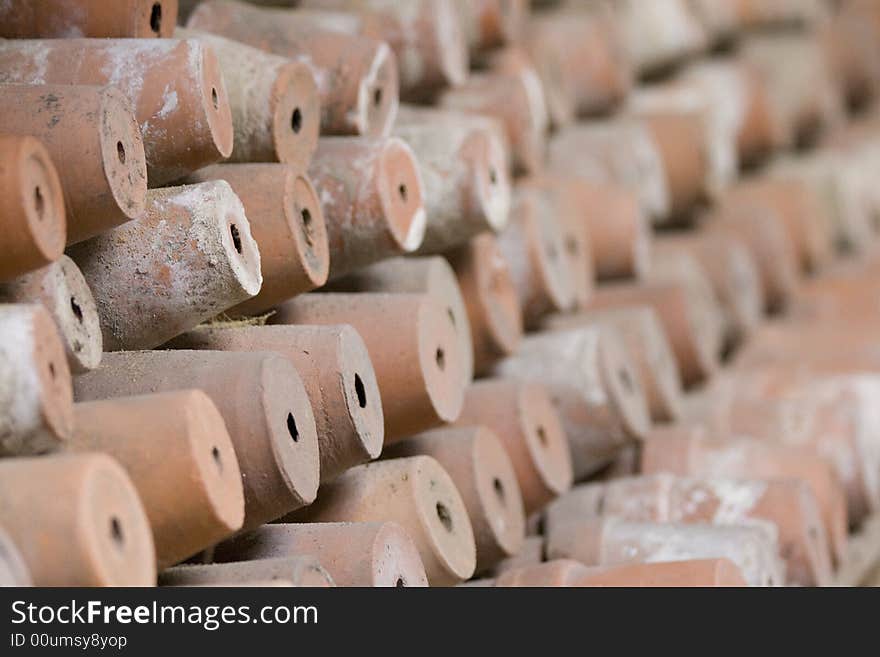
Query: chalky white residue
[[359, 116], [169, 103], [20, 390], [753, 548], [33, 57], [866, 390]]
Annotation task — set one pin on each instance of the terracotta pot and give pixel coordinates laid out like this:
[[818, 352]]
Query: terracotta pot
[[62, 290], [610, 541], [557, 573], [357, 76], [481, 470], [36, 413], [761, 230], [687, 272], [186, 472], [175, 88], [300, 571], [523, 418], [413, 346], [786, 504], [431, 276], [690, 324], [95, 128], [287, 223], [515, 101], [488, 24], [620, 233], [373, 200], [77, 520], [275, 105], [374, 554], [263, 403], [426, 35], [580, 52], [620, 152], [13, 569], [534, 247], [570, 207], [795, 205], [687, 452], [32, 206], [833, 414], [733, 273], [594, 385], [189, 258], [492, 305], [464, 171], [640, 330], [699, 573], [139, 19], [531, 553], [337, 374], [416, 493]]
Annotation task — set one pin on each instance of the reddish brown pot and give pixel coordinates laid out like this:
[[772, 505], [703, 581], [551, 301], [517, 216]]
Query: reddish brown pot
[[699, 573], [36, 414], [557, 573], [95, 128], [416, 493], [373, 199], [761, 230], [337, 374], [63, 19], [534, 247], [482, 471], [530, 554], [262, 401], [488, 24], [522, 416], [788, 505], [186, 473], [594, 385], [31, 206], [301, 571], [608, 541], [681, 140], [431, 276], [276, 109], [374, 554], [493, 310], [175, 88], [413, 346], [704, 311], [581, 59], [426, 36], [287, 224], [798, 209], [687, 452], [833, 414], [570, 207], [63, 291], [190, 257], [620, 233], [515, 101], [620, 152], [13, 568], [357, 76], [77, 520], [640, 330], [733, 274], [464, 170]]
